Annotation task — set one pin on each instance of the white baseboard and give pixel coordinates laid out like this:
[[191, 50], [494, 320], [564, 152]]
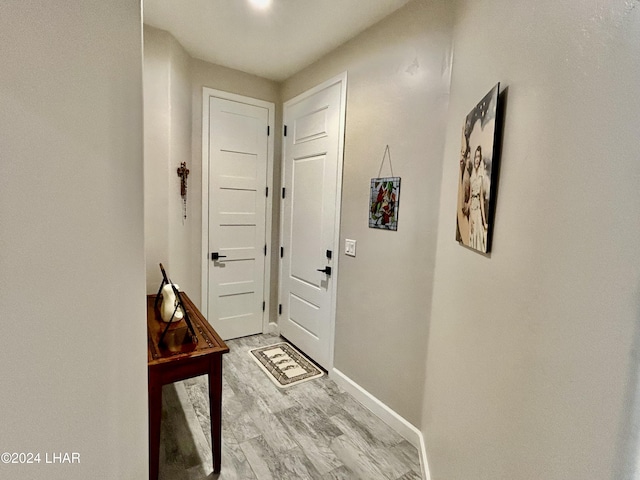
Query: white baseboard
[[405, 429], [272, 327]]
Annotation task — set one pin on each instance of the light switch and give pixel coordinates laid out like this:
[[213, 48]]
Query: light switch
[[350, 247]]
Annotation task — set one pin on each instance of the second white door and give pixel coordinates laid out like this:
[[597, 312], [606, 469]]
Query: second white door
[[312, 152], [237, 164]]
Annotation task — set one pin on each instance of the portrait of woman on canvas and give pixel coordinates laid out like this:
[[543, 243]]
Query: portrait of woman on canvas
[[478, 162], [477, 216]]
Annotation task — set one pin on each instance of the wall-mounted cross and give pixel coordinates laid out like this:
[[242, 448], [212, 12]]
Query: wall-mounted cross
[[183, 173]]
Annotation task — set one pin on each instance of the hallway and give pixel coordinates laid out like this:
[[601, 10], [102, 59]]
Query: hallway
[[313, 430]]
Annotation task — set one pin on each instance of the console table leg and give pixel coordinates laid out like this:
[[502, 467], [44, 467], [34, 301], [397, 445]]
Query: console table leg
[[155, 416], [215, 410]]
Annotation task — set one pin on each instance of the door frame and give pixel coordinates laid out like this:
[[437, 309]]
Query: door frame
[[342, 80], [207, 94]]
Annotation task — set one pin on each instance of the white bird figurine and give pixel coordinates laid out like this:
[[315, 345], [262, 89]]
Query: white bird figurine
[[169, 302]]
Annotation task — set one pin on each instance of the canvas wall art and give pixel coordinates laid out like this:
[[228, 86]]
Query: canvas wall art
[[384, 203], [478, 166]]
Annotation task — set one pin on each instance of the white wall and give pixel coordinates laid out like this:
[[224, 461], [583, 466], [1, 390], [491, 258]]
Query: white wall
[[72, 359], [397, 94], [167, 118], [157, 121], [532, 356], [181, 229]]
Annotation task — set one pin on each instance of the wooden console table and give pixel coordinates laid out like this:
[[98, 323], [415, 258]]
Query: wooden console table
[[179, 361]]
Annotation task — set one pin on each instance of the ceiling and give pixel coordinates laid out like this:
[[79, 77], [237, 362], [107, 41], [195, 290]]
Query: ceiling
[[273, 43]]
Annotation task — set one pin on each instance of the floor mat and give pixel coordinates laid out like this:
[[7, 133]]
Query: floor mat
[[285, 365]]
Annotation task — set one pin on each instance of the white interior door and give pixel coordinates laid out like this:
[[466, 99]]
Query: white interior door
[[312, 177], [237, 173]]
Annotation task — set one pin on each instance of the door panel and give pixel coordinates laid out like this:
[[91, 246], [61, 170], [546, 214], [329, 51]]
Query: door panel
[[312, 166], [311, 126], [306, 210], [304, 314], [237, 165], [238, 146]]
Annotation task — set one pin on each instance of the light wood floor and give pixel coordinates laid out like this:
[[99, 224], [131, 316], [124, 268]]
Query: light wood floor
[[313, 430]]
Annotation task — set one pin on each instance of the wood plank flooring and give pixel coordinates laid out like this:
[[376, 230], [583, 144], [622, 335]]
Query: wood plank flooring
[[313, 430]]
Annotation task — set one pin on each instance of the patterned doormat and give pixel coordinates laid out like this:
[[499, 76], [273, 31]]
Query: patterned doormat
[[284, 365]]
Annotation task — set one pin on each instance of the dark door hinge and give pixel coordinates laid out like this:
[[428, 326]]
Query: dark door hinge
[[281, 252], [266, 191], [285, 130], [283, 192], [264, 306], [265, 248], [279, 309], [268, 130]]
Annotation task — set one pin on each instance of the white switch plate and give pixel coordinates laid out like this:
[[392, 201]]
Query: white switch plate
[[350, 247]]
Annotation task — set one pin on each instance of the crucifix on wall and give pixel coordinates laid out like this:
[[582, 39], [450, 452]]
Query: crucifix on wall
[[183, 173]]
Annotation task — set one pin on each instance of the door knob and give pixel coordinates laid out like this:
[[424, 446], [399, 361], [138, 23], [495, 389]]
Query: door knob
[[216, 256], [326, 270]]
